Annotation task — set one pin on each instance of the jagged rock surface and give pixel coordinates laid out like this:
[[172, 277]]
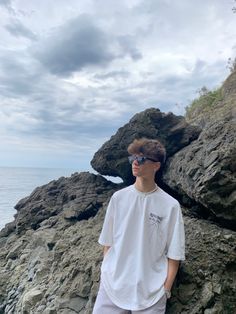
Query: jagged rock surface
[[206, 280], [173, 131], [205, 170], [56, 268], [72, 196]]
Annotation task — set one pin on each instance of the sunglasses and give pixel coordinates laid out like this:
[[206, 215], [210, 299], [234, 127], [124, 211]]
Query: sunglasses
[[140, 159]]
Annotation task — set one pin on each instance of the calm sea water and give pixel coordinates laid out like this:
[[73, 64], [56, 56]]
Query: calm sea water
[[16, 183]]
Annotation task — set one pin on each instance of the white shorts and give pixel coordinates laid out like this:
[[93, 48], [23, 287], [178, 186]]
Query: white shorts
[[104, 305]]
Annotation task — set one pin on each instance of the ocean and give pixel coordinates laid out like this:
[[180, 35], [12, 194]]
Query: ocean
[[16, 183]]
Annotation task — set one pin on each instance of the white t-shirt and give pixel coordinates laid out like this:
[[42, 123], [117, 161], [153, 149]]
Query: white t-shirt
[[143, 230]]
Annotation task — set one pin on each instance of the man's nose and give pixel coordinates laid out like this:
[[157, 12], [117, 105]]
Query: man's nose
[[135, 162]]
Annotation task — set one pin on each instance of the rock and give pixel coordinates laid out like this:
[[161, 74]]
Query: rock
[[9, 228], [185, 292], [203, 280], [171, 130], [217, 309], [15, 251], [30, 299], [216, 285], [74, 305], [61, 258], [50, 311], [70, 194], [207, 294], [205, 170]]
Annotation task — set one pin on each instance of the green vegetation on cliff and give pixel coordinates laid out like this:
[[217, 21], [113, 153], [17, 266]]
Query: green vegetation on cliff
[[217, 104], [204, 104]]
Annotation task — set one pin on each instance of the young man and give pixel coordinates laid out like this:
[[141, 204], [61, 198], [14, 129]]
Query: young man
[[143, 239]]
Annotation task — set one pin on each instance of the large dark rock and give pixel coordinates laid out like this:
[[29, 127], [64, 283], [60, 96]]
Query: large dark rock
[[50, 262], [79, 197], [173, 131], [205, 170]]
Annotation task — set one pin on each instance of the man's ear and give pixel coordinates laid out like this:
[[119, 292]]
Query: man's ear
[[157, 166]]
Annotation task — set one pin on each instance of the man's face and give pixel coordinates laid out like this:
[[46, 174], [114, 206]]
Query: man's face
[[146, 170]]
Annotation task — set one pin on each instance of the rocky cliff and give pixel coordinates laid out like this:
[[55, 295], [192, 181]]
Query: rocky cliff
[[49, 255]]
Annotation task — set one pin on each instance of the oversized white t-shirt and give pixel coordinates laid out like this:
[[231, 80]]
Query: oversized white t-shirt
[[143, 230]]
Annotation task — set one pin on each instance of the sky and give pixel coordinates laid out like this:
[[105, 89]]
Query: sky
[[73, 72]]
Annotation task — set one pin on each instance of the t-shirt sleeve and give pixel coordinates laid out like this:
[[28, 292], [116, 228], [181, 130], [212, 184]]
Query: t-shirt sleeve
[[106, 236], [176, 237]]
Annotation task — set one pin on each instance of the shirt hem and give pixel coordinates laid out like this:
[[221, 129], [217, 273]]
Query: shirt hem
[[175, 257], [104, 243], [124, 306]]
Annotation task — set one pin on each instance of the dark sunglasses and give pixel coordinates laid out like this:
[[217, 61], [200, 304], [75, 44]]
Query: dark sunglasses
[[140, 159]]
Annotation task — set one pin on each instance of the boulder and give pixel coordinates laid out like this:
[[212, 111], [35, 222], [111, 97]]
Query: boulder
[[173, 131]]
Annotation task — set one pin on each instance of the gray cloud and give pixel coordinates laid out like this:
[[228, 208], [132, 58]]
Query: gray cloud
[[128, 45], [39, 106], [5, 3], [81, 43], [112, 74], [17, 29], [63, 128], [73, 46], [19, 74]]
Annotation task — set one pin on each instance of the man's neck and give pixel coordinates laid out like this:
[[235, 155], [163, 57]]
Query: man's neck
[[144, 185]]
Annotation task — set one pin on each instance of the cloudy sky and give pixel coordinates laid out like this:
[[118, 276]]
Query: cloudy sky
[[73, 72]]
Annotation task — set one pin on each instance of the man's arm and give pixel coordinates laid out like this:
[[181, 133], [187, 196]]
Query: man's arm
[[173, 266], [105, 249]]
